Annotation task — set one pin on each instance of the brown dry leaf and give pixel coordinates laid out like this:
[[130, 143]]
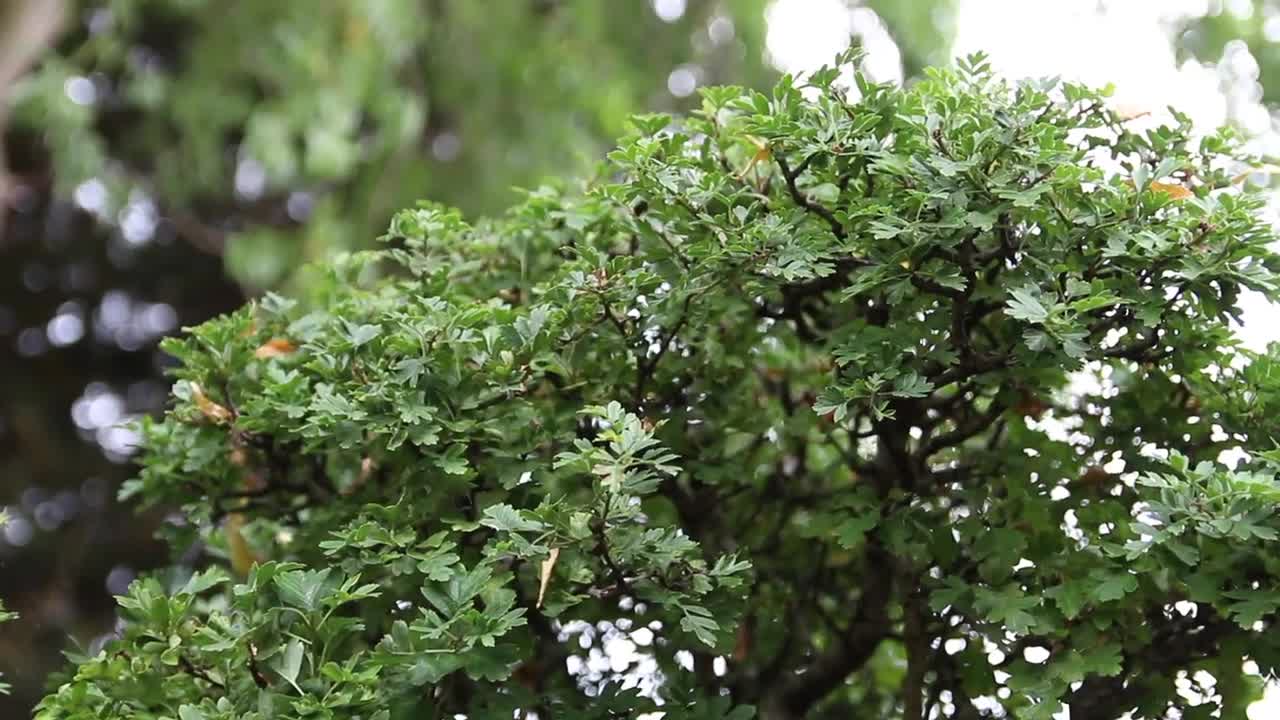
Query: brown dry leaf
[[367, 466], [1128, 112], [544, 577], [1175, 191], [1030, 405], [209, 408], [275, 347], [742, 648]]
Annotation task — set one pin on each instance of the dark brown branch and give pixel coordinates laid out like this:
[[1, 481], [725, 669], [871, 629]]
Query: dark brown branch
[[1137, 350], [869, 626], [602, 549], [964, 430], [933, 288], [969, 369], [916, 641], [800, 199], [190, 668], [646, 366]]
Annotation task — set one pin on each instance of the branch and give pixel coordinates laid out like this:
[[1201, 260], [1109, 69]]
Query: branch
[[870, 625], [916, 641], [1137, 350], [189, 668], [646, 366], [602, 549], [964, 430], [933, 288], [970, 369], [799, 198], [1099, 696]]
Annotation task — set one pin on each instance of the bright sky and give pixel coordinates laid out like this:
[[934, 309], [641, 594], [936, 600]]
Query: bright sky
[[1122, 42]]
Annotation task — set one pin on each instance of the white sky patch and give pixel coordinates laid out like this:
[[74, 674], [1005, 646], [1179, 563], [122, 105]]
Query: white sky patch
[[1124, 44], [804, 35]]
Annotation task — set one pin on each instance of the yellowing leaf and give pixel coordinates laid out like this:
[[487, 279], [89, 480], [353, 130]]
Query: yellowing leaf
[[356, 31], [544, 577], [1173, 190], [275, 347], [242, 558], [762, 155], [209, 408]]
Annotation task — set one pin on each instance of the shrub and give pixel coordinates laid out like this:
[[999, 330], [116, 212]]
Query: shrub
[[876, 402]]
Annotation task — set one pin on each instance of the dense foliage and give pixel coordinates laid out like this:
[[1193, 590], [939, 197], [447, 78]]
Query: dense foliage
[[865, 403], [151, 144]]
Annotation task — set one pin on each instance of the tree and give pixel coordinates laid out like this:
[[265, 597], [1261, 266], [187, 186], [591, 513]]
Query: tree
[[156, 108], [876, 403]]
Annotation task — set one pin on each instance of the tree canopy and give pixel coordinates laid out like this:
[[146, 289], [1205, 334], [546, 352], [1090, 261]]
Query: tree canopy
[[158, 163], [825, 402]]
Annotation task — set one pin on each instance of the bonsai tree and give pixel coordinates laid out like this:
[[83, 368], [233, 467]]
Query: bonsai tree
[[832, 402]]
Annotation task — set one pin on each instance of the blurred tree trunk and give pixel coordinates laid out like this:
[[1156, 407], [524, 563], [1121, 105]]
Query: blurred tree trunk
[[27, 27]]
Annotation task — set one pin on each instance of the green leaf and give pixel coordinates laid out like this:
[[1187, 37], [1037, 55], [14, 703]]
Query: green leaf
[[362, 334], [699, 622], [205, 580], [303, 589], [850, 533], [454, 461], [1071, 597], [291, 663], [1112, 586], [1024, 304], [504, 518], [1008, 607], [1251, 606]]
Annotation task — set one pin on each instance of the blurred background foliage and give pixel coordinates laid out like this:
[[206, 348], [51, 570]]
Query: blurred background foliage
[[163, 160], [1249, 27]]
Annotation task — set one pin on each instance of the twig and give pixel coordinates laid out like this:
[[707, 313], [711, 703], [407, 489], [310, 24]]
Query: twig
[[799, 198]]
